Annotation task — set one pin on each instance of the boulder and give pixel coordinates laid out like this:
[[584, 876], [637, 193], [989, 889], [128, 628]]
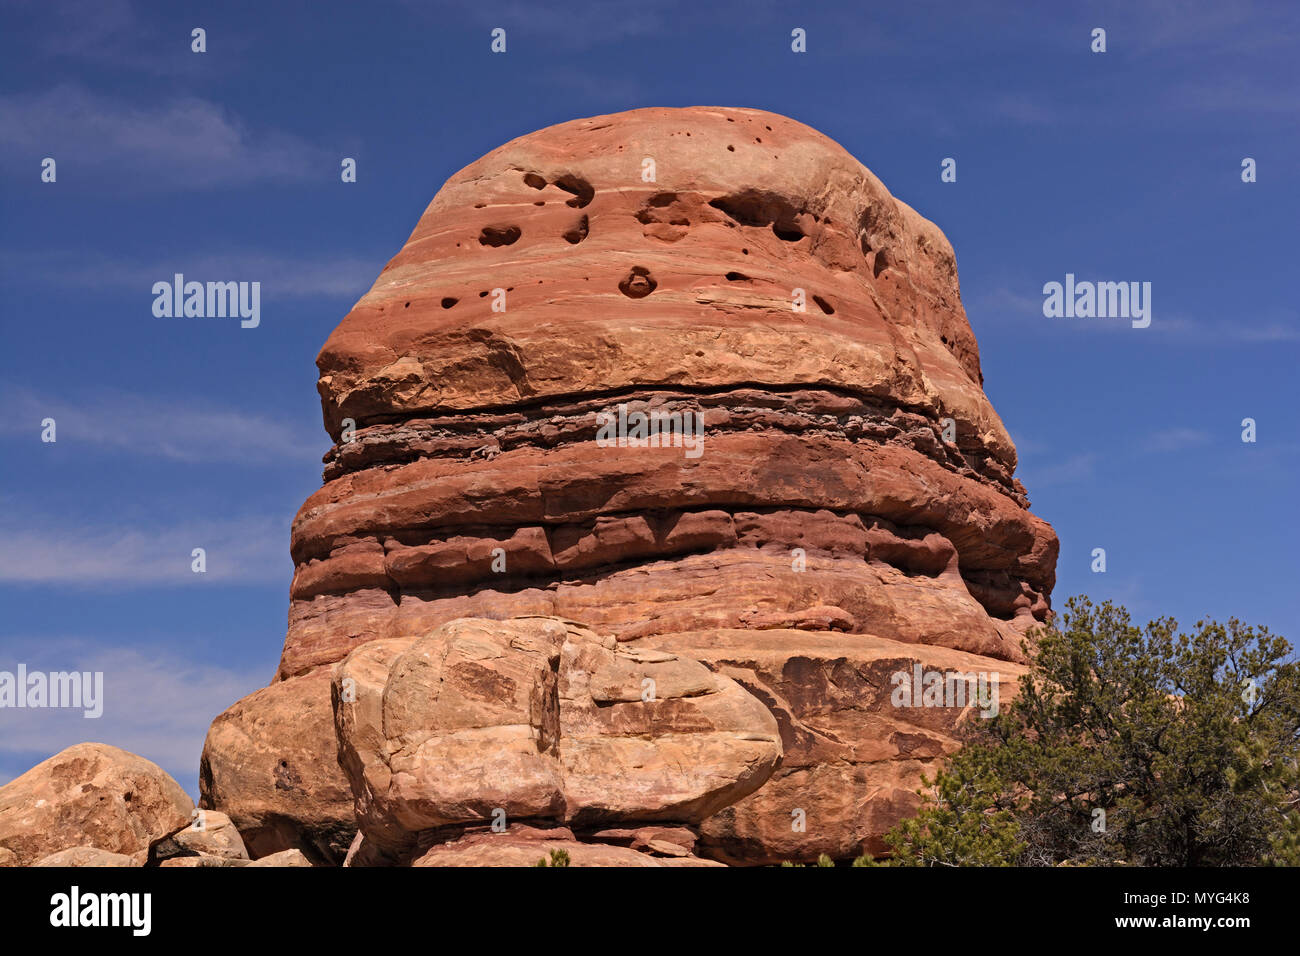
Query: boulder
[[293, 858], [89, 796], [269, 765], [520, 846], [535, 719], [210, 834], [86, 856]]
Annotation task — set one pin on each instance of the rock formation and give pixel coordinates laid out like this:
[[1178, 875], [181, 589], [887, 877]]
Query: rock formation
[[539, 720], [269, 764], [499, 563], [850, 513], [94, 797]]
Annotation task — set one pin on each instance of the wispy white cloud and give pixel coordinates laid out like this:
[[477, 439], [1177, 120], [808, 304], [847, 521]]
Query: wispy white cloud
[[113, 34], [182, 143], [567, 24], [160, 426], [1235, 95], [1213, 27], [248, 549], [157, 705], [1176, 439], [1026, 110], [1073, 468], [281, 277], [1024, 303], [1274, 327], [1005, 300], [1028, 446]]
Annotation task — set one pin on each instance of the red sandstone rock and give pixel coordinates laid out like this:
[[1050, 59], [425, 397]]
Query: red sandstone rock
[[269, 764], [87, 856], [537, 719], [854, 504], [852, 760], [210, 834], [523, 846], [89, 796]]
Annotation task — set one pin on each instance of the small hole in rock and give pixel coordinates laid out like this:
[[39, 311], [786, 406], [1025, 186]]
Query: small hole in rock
[[823, 305], [582, 190], [737, 277], [448, 302], [499, 235], [638, 284], [407, 306], [731, 149], [534, 180], [577, 232]]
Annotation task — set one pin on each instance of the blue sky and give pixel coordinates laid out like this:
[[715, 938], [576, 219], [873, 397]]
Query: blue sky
[[173, 434]]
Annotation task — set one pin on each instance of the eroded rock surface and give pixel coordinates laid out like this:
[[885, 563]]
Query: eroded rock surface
[[849, 498], [89, 797], [269, 764], [852, 758], [86, 856], [539, 719], [524, 846]]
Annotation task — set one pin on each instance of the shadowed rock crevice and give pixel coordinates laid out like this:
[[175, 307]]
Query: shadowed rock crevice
[[499, 235], [436, 562], [550, 423], [638, 283], [754, 207]]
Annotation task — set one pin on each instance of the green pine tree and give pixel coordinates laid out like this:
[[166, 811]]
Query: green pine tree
[[1126, 745]]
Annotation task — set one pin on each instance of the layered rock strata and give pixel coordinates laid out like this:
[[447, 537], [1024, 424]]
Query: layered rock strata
[[839, 498]]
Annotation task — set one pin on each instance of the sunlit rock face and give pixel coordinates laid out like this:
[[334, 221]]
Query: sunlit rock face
[[836, 502]]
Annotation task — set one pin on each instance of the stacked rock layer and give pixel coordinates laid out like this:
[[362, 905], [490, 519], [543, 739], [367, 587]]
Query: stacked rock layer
[[847, 509]]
